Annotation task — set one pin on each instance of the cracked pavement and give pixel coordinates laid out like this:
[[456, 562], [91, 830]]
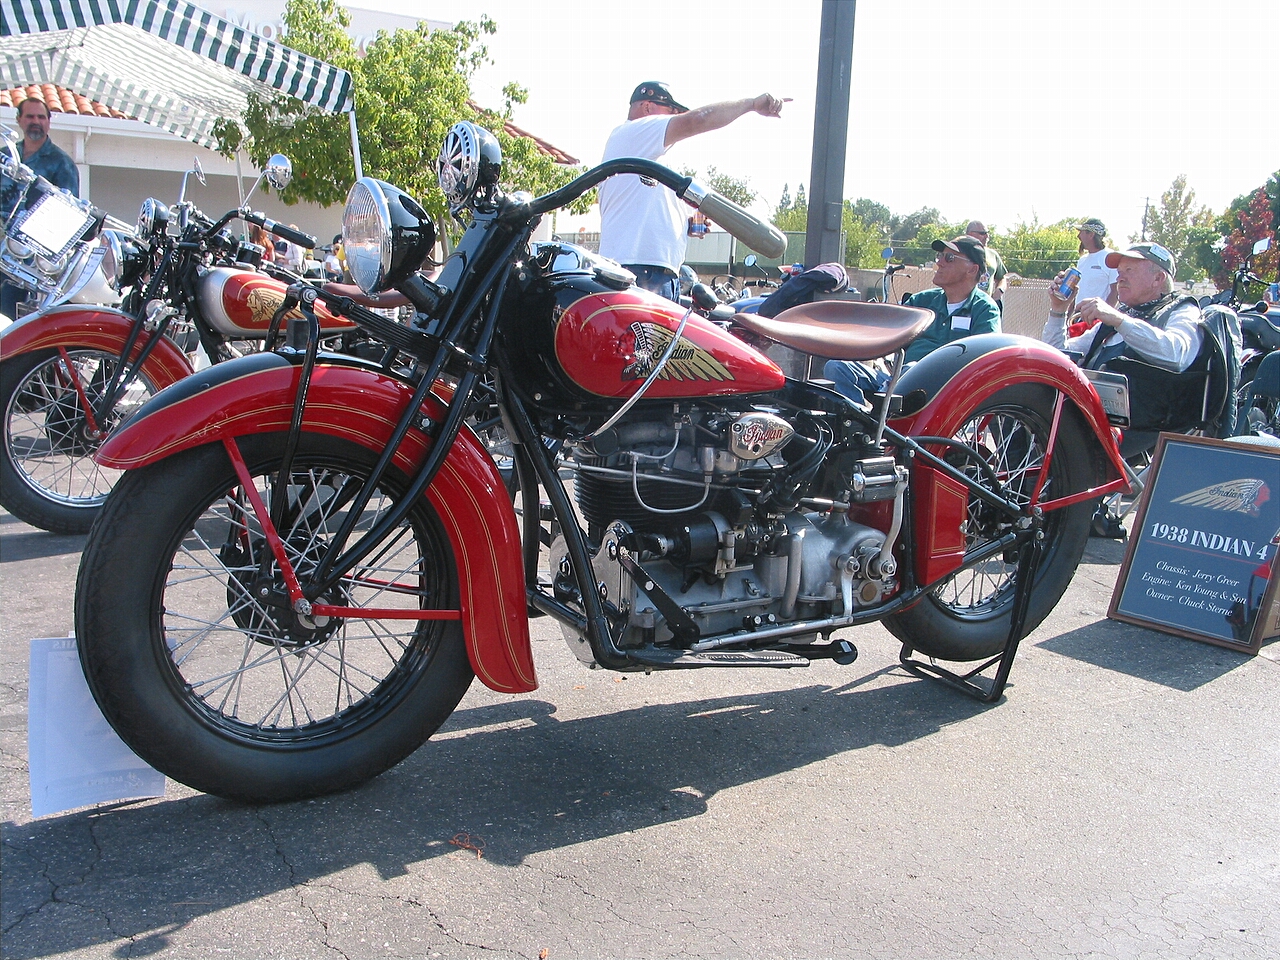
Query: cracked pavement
[[1119, 803]]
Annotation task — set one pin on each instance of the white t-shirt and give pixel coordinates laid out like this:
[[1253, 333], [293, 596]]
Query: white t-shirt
[[1096, 277], [641, 221]]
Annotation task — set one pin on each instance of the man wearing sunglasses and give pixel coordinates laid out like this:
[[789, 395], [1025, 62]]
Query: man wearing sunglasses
[[959, 308]]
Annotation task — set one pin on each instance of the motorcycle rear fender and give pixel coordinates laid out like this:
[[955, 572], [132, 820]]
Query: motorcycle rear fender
[[358, 402], [955, 380], [74, 326]]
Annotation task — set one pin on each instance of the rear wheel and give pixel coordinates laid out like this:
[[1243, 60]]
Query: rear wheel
[[967, 616], [48, 476], [197, 659]]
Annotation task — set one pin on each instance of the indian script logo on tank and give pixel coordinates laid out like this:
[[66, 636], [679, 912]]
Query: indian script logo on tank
[[1234, 496], [687, 361]]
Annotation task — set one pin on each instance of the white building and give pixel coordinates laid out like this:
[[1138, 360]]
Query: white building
[[123, 161]]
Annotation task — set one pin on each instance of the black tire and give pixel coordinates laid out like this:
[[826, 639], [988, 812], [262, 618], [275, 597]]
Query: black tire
[[48, 476], [967, 616], [239, 698]]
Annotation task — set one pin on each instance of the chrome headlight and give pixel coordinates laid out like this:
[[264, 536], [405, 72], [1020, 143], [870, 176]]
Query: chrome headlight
[[50, 266], [16, 248], [386, 234], [113, 258], [366, 234]]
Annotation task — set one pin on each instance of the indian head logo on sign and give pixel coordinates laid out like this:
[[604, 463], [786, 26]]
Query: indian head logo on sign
[[1234, 496]]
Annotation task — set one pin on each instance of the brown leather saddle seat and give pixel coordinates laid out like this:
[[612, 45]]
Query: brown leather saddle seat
[[841, 329]]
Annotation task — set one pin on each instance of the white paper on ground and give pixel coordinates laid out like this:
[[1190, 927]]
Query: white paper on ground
[[74, 756]]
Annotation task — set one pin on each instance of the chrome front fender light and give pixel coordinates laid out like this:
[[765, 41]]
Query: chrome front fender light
[[366, 234]]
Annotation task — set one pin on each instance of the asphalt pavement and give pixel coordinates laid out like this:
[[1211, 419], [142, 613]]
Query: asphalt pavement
[[1120, 801]]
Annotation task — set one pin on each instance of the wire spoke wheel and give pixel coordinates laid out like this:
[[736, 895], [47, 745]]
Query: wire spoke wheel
[[276, 703], [50, 477], [967, 615], [1010, 446]]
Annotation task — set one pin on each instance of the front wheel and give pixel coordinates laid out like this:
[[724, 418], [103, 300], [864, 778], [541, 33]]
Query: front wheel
[[200, 664], [48, 476], [967, 616]]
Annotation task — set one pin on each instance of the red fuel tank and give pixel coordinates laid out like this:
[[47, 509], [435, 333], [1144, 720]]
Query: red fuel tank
[[240, 303], [609, 342]]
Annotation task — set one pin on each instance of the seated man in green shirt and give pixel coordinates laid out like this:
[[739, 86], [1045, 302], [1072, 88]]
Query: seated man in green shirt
[[959, 308]]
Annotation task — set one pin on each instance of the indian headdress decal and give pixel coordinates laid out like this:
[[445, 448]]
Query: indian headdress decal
[[263, 302], [1235, 496], [688, 361]]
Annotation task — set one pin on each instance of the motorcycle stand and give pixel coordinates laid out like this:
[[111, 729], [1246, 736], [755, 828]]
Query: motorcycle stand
[[988, 690]]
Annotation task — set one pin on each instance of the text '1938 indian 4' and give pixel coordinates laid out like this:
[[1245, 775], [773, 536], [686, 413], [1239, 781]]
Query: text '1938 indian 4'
[[310, 555]]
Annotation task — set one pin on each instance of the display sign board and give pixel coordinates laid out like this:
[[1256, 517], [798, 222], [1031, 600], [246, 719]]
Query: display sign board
[[1201, 556], [74, 757]]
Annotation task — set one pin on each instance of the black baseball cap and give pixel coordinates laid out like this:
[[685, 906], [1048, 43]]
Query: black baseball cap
[[968, 247], [655, 91]]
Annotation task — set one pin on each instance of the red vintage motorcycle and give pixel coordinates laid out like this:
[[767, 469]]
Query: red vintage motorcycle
[[310, 555], [73, 371]]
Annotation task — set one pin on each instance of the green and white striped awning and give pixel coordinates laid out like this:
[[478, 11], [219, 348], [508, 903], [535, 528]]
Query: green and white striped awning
[[166, 62]]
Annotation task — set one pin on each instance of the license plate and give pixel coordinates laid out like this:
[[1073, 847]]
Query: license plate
[[1113, 391]]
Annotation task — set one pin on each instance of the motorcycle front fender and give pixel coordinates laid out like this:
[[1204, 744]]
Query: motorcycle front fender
[[359, 403], [76, 326]]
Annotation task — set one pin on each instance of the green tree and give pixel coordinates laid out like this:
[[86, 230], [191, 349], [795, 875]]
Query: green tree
[[906, 228], [876, 214], [1253, 224], [784, 203], [732, 188], [1037, 250], [1202, 255], [1170, 222], [863, 240], [792, 215], [410, 88]]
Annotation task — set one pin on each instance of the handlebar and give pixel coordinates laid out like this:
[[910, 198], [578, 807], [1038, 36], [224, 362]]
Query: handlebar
[[304, 240], [760, 236]]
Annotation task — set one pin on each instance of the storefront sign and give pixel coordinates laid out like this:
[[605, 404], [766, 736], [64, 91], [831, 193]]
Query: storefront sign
[[1201, 555]]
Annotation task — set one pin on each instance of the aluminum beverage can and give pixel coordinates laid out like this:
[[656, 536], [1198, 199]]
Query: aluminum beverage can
[[1065, 290]]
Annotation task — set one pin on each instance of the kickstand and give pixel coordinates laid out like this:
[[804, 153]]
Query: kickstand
[[981, 688]]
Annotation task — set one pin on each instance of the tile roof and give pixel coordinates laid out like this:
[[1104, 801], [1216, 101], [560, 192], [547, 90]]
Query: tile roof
[[556, 154], [61, 100], [58, 100]]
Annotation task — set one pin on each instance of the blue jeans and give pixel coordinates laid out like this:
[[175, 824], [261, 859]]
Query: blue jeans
[[855, 379], [660, 280], [10, 297]]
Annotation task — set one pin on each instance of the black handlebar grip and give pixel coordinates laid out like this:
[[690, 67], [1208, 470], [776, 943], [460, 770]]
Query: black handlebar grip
[[304, 240]]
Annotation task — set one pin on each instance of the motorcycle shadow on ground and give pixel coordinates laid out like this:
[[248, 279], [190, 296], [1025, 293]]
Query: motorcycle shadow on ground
[[510, 779], [36, 544]]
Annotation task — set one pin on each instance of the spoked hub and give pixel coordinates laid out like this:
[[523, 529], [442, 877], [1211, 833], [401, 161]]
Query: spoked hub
[[260, 605]]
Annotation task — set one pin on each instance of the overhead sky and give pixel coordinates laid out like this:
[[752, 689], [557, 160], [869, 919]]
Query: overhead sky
[[1001, 110]]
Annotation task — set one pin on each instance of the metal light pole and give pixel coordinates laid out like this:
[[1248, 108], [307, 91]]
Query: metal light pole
[[830, 133]]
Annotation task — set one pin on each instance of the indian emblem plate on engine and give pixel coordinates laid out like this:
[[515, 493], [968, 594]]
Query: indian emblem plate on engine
[[756, 435]]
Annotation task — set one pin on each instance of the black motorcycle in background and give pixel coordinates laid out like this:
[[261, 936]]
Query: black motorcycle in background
[[1258, 396]]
